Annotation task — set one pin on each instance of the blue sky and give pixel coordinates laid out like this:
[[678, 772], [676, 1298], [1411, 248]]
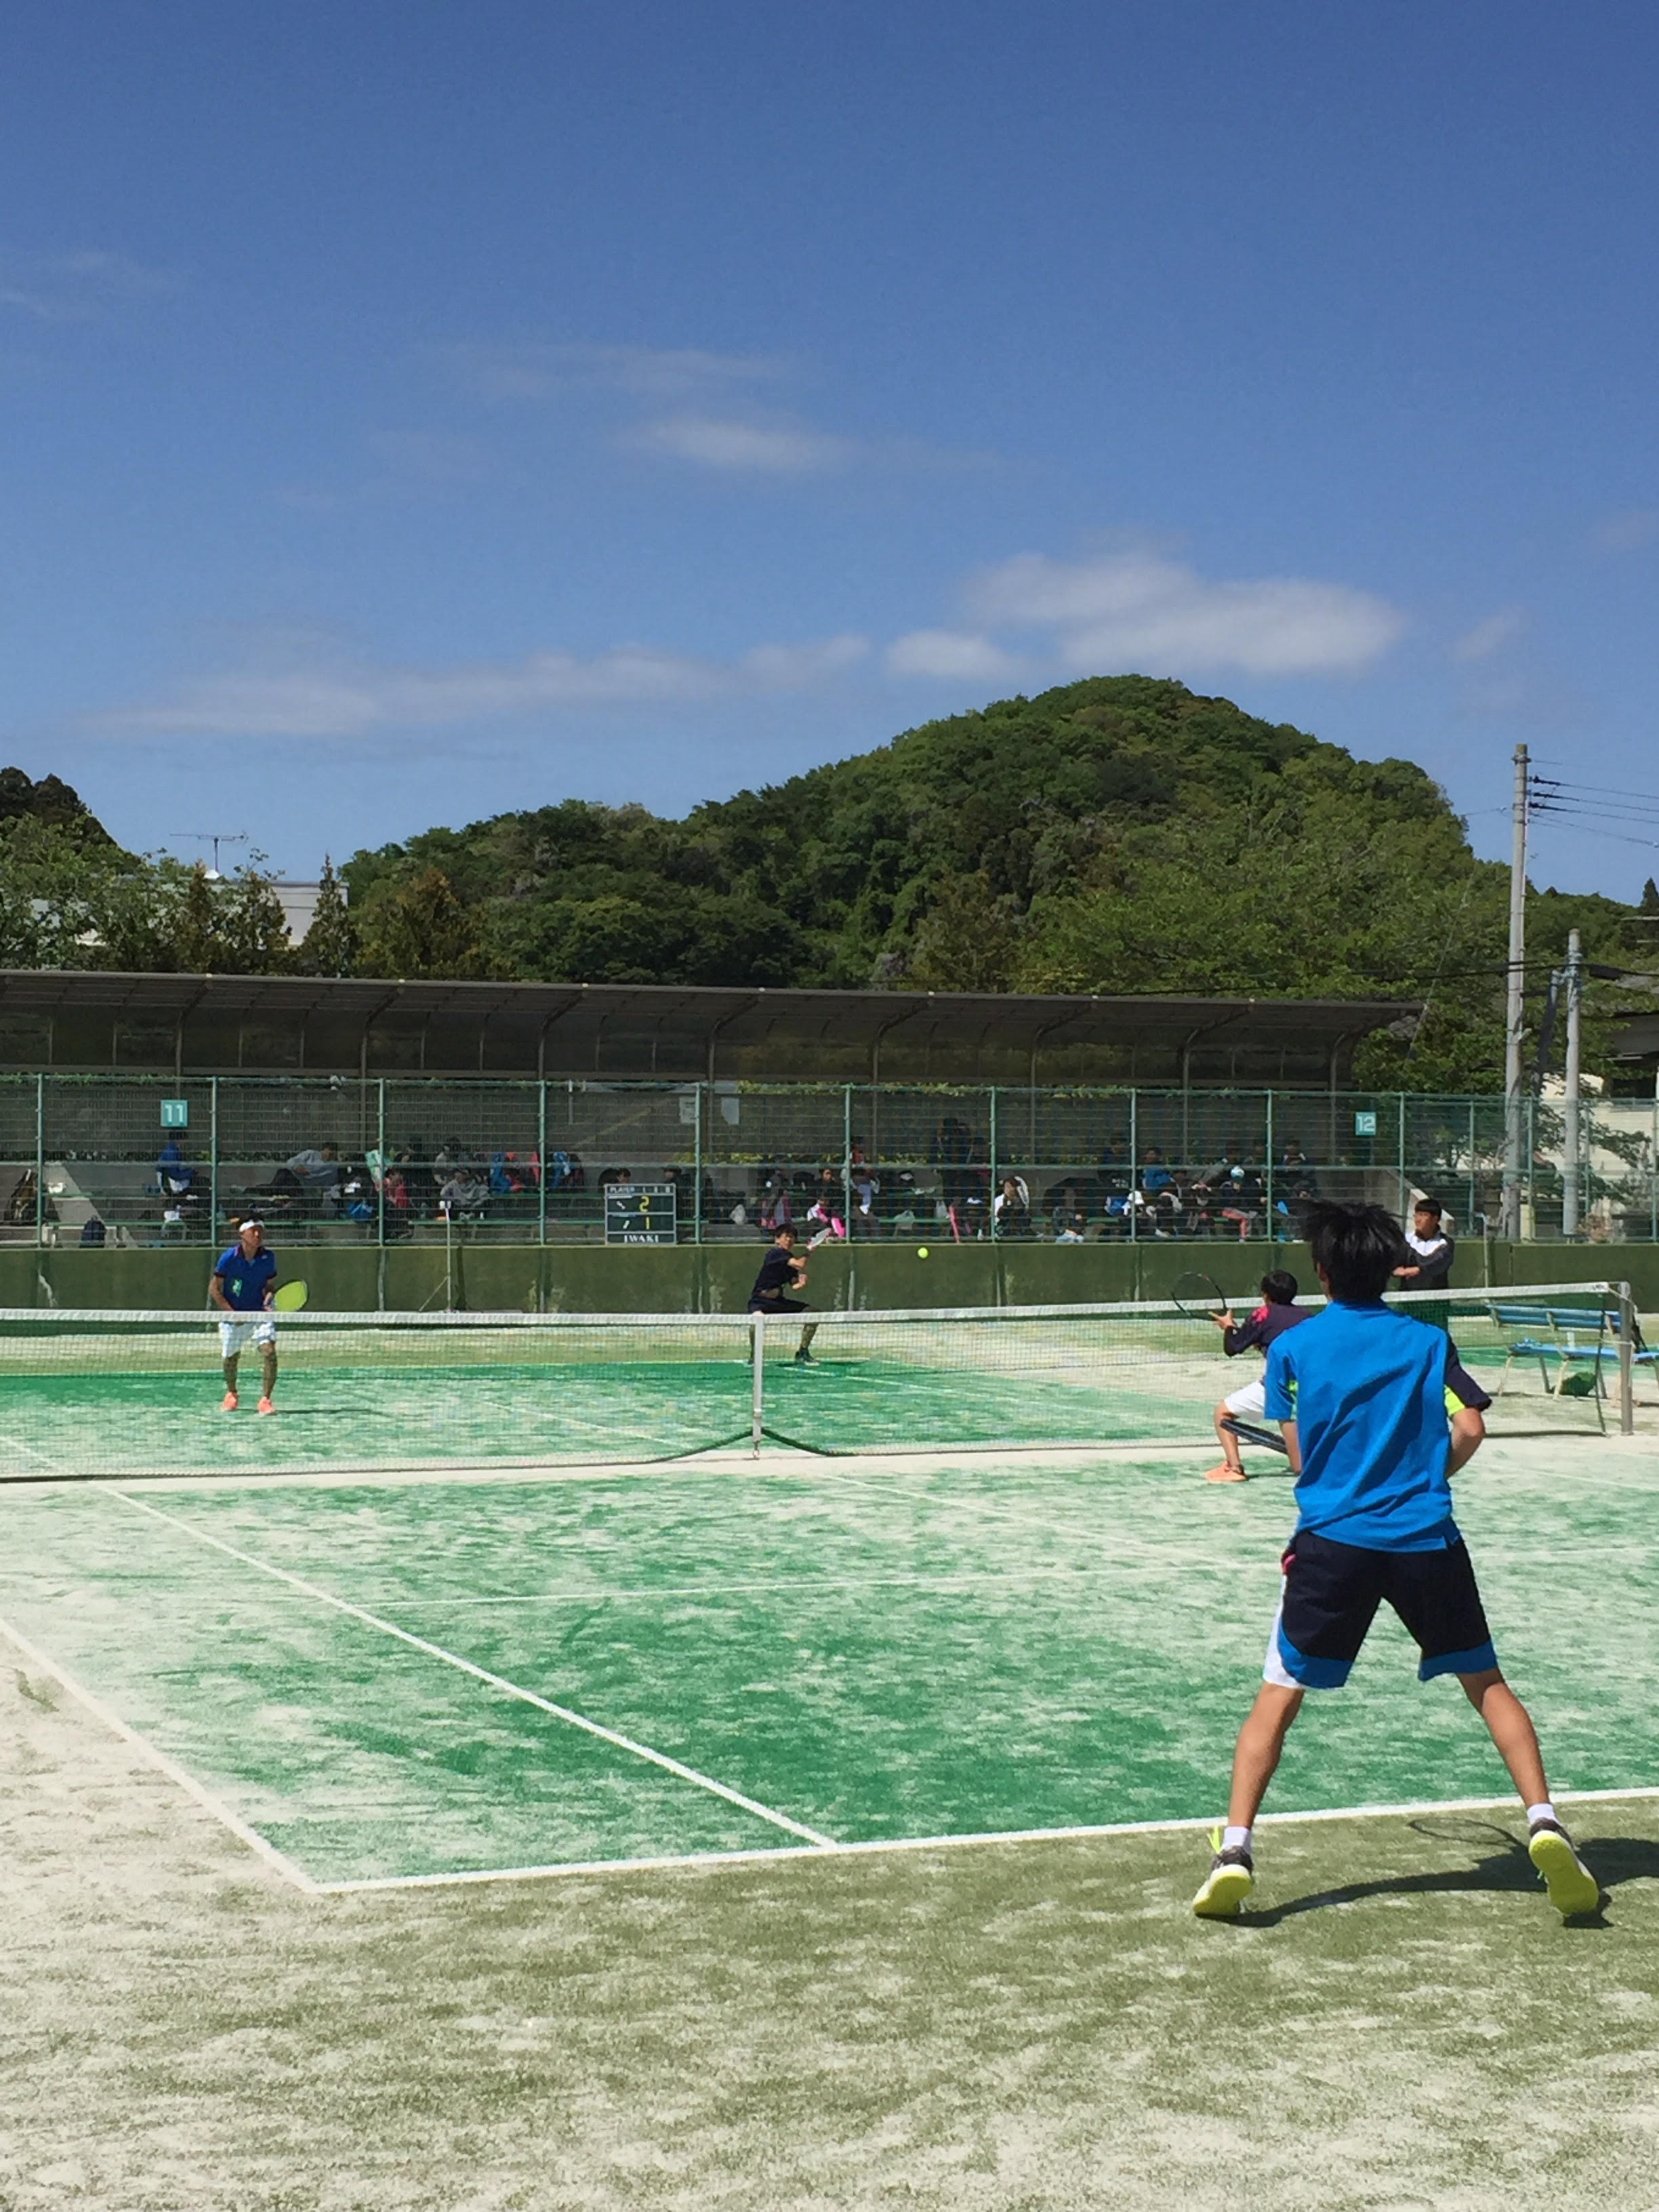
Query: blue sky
[[414, 412]]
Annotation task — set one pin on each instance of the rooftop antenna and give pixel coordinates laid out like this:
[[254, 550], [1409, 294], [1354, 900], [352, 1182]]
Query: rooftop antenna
[[215, 838]]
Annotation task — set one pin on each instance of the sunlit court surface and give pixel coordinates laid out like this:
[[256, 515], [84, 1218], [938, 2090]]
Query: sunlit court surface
[[804, 1829]]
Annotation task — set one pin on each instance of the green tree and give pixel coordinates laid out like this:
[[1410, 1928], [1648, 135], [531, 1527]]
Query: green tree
[[192, 924], [251, 928], [418, 926], [330, 945]]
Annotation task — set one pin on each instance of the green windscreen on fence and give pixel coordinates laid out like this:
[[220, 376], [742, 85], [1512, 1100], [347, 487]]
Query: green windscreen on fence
[[103, 1394]]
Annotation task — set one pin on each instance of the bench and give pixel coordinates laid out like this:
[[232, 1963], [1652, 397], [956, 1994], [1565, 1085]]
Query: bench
[[1548, 1332]]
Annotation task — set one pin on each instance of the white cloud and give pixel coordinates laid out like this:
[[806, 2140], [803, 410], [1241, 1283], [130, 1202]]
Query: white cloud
[[799, 667], [949, 653], [1138, 609], [74, 288], [1627, 533], [334, 701], [748, 448], [535, 372], [1491, 636]]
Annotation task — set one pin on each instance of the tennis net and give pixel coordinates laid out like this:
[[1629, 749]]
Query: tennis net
[[91, 1394]]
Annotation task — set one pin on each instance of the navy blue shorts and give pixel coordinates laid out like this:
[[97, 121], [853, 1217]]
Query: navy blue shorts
[[1329, 1600]]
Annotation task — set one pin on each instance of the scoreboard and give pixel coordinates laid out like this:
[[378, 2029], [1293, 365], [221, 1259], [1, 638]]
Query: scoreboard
[[640, 1213]]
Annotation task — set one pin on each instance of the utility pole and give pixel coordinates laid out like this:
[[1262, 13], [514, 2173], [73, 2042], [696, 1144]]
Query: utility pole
[[1570, 1154], [1514, 1014]]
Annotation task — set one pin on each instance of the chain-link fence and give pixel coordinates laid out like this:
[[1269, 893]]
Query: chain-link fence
[[137, 1160]]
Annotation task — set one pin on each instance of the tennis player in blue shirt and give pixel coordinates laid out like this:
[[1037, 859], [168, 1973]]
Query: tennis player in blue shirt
[[242, 1285], [1362, 1391]]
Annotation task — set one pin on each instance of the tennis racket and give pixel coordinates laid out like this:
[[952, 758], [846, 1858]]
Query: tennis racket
[[1248, 1433], [288, 1297], [1198, 1296]]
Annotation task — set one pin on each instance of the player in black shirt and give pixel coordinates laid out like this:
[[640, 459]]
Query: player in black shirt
[[1277, 1312], [781, 1272]]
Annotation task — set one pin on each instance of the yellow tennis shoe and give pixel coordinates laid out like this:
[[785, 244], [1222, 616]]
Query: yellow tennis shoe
[[1228, 1882], [1573, 1887]]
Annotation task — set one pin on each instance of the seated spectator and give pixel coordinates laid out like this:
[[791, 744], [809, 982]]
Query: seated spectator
[[420, 1184], [1160, 1195], [866, 1190], [1071, 1228], [1011, 1209], [394, 1194], [316, 1173], [777, 1206], [1294, 1177], [1242, 1200], [823, 1220], [1063, 1200], [358, 1198], [463, 1196], [513, 1177], [1295, 1186], [828, 1206], [174, 1175], [1208, 1192]]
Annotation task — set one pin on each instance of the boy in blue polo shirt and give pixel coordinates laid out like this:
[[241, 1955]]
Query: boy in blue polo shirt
[[1362, 1391]]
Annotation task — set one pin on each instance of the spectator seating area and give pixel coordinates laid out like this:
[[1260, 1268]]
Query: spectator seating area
[[414, 1191]]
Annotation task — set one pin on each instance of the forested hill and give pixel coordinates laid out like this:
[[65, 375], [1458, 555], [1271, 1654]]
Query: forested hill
[[1121, 834]]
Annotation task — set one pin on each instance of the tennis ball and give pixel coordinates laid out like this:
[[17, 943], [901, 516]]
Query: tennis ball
[[921, 1251]]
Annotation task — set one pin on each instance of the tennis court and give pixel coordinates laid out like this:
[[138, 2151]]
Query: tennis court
[[397, 1678]]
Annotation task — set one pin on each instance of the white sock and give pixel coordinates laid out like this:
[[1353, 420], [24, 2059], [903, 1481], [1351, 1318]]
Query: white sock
[[1544, 1812], [1234, 1839]]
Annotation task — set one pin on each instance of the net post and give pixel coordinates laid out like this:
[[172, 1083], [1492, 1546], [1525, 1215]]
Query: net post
[[1626, 1361], [757, 1392]]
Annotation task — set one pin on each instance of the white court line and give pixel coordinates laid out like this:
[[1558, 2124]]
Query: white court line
[[159, 1759], [482, 1674], [774, 1855]]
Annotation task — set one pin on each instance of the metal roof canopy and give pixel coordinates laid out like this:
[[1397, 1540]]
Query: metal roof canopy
[[677, 1030]]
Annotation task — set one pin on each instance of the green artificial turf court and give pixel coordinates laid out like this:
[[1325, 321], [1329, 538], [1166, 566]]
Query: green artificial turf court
[[410, 1678]]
